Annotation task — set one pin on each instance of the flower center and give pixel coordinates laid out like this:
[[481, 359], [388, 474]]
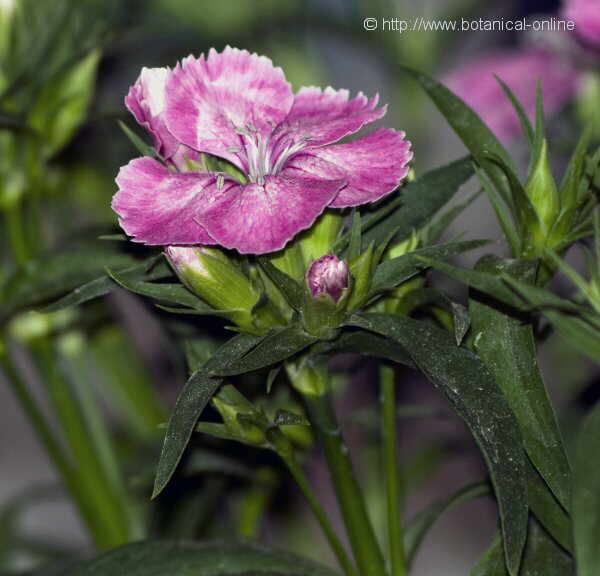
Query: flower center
[[265, 155]]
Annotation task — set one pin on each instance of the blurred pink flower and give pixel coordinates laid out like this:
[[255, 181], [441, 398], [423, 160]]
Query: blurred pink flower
[[327, 275], [520, 69], [239, 107], [586, 15]]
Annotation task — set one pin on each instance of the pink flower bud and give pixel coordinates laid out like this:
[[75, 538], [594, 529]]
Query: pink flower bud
[[327, 275]]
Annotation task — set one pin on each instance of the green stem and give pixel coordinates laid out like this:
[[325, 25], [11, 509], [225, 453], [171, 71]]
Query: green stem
[[33, 412], [286, 453], [390, 468], [350, 498]]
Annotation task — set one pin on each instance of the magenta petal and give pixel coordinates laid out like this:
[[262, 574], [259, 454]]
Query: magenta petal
[[373, 165], [256, 219], [159, 206], [209, 100], [145, 100], [320, 117]]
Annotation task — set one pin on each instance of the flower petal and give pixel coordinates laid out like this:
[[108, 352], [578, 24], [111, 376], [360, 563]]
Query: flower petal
[[145, 100], [209, 100], [159, 206], [373, 165], [256, 219], [320, 117]]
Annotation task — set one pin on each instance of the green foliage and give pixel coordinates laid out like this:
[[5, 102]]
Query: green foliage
[[196, 559], [475, 396], [586, 497]]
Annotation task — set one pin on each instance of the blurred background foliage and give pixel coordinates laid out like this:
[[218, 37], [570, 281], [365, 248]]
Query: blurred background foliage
[[109, 372]]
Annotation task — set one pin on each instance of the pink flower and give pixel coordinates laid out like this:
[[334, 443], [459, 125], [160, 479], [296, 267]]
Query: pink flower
[[327, 275], [586, 15], [239, 107], [520, 69]]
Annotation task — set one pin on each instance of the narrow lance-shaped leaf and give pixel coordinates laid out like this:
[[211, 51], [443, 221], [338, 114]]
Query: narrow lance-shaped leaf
[[586, 496], [392, 273], [469, 127], [197, 559], [542, 557], [277, 346], [418, 528], [192, 400], [507, 346], [415, 204], [475, 396]]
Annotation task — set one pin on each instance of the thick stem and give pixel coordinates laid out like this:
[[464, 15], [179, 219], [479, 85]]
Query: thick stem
[[285, 452], [350, 498], [390, 469]]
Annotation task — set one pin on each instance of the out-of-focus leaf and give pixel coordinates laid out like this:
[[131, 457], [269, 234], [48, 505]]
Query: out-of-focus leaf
[[469, 127], [198, 559], [206, 462], [475, 396], [586, 496], [61, 106], [392, 273], [192, 400], [287, 418], [507, 346], [417, 529], [415, 204], [277, 346], [56, 273], [104, 284], [139, 144], [542, 557]]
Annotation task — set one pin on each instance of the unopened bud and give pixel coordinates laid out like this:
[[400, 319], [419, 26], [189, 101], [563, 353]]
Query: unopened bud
[[327, 275], [542, 191], [211, 275]]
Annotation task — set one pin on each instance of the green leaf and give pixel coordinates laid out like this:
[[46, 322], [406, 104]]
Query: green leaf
[[542, 557], [415, 204], [56, 273], [526, 126], [287, 418], [507, 346], [475, 396], [61, 106], [577, 332], [586, 496], [169, 293], [503, 213], [140, 145], [391, 273], [367, 344], [104, 284], [190, 404], [417, 529], [277, 346], [291, 290], [469, 127], [547, 509], [198, 559]]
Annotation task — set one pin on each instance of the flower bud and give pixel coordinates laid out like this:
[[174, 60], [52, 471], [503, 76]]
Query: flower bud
[[212, 276], [327, 275]]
